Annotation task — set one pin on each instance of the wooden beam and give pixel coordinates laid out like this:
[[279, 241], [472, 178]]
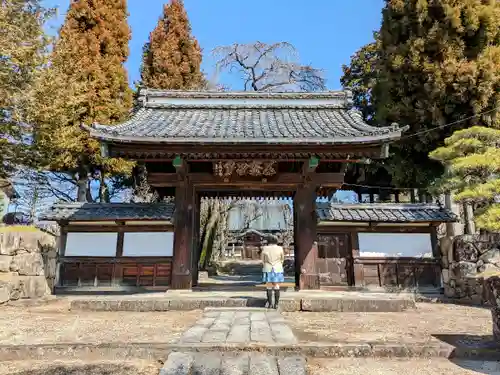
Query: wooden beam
[[169, 151], [286, 180]]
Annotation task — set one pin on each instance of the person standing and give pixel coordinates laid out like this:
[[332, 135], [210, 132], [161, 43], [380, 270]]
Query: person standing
[[272, 257]]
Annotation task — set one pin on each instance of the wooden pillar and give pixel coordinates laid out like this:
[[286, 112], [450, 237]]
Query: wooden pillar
[[63, 239], [196, 250], [183, 235], [306, 249]]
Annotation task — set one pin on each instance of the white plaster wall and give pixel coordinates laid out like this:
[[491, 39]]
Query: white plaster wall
[[148, 244], [91, 244], [395, 244]]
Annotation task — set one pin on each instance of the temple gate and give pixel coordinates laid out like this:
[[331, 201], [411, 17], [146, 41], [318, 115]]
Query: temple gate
[[254, 144]]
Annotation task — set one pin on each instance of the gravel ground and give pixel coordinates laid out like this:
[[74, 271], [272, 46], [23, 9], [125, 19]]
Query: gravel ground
[[79, 368], [417, 325], [349, 366], [54, 323]]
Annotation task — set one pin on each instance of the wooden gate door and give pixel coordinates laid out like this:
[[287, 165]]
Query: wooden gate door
[[335, 259]]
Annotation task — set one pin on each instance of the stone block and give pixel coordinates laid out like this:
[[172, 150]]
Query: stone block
[[5, 261], [27, 264], [50, 268], [236, 364], [465, 269], [445, 262], [239, 334], [193, 334], [206, 364], [290, 305], [446, 245], [4, 293], [446, 276], [137, 305], [489, 267], [491, 256], [283, 334], [261, 364], [449, 291], [214, 336], [33, 286], [178, 364], [293, 365], [9, 243], [320, 305]]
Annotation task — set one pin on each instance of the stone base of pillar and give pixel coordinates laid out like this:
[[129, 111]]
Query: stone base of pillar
[[181, 282], [309, 281]]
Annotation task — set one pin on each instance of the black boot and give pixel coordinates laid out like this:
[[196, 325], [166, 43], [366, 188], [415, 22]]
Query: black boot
[[269, 302], [276, 298]]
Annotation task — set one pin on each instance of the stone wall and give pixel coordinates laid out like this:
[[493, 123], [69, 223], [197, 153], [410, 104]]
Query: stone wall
[[27, 265], [464, 257]]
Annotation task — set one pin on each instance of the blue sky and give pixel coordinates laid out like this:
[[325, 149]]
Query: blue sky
[[325, 32]]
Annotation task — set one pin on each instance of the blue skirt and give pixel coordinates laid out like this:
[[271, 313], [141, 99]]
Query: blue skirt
[[273, 277]]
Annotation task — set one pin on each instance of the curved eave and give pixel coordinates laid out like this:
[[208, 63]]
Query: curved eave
[[369, 139]]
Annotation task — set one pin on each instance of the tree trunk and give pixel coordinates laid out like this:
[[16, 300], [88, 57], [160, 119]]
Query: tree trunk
[[103, 189], [82, 187]]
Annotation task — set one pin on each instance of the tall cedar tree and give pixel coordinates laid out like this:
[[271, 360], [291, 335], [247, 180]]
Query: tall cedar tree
[[86, 82], [435, 62], [172, 57], [23, 46]]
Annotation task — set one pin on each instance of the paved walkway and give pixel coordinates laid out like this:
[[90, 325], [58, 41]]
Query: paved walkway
[[241, 364], [217, 326], [240, 327]]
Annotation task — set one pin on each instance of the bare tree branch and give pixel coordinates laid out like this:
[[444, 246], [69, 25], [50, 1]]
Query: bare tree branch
[[269, 67]]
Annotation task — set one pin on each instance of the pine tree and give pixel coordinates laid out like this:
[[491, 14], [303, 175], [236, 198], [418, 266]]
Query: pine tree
[[472, 160], [23, 46], [86, 82], [172, 56], [437, 62]]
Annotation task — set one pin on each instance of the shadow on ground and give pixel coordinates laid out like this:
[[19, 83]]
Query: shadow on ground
[[469, 341], [93, 369], [480, 367]]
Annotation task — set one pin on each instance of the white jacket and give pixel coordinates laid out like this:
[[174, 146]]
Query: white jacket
[[272, 256]]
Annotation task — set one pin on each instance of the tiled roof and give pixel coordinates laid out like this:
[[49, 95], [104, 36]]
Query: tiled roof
[[265, 118], [109, 212], [384, 213]]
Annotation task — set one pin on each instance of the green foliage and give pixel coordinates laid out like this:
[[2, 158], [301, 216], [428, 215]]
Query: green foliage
[[172, 57], [361, 76], [23, 46], [85, 82], [472, 160], [435, 62]]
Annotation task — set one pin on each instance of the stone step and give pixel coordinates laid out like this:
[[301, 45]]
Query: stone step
[[186, 363], [315, 302]]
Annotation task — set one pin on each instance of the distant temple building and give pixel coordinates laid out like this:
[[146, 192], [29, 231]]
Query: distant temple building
[[252, 221]]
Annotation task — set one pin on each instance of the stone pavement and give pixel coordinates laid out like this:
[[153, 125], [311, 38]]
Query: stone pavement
[[241, 326], [241, 364]]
